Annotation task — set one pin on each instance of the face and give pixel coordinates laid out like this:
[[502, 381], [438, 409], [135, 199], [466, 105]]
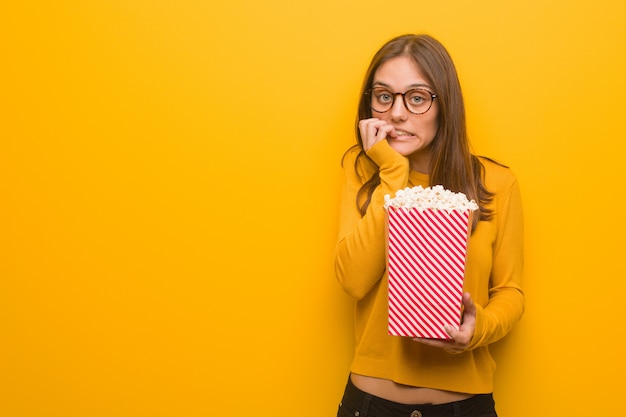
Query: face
[[413, 132]]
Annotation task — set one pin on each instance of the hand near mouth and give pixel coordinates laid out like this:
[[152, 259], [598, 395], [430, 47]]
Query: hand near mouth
[[400, 133], [374, 130], [392, 134]]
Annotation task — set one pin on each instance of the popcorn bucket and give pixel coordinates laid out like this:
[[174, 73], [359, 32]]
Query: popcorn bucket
[[426, 252]]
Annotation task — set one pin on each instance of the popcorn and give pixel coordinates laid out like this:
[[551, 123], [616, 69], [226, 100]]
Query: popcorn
[[427, 238], [430, 198]]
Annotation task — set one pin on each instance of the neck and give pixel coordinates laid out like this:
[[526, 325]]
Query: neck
[[420, 162]]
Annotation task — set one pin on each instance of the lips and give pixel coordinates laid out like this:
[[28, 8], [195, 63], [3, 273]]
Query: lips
[[402, 133]]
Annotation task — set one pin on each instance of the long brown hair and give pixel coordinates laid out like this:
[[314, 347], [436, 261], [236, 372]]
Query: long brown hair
[[451, 165]]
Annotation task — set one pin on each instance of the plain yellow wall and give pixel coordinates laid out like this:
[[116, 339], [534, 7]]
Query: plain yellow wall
[[169, 179]]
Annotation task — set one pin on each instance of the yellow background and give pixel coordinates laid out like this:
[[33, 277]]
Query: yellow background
[[169, 179]]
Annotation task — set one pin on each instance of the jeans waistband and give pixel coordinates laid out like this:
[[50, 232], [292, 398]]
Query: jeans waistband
[[362, 404]]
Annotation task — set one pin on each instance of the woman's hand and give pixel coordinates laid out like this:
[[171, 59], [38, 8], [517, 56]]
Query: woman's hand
[[373, 131], [462, 337]]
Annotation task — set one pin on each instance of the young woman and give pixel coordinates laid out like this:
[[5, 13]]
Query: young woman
[[411, 131]]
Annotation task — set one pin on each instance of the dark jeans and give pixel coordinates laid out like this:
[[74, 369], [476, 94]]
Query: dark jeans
[[356, 403]]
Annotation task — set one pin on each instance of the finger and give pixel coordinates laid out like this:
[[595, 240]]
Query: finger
[[439, 343], [369, 129], [369, 125], [387, 131], [450, 330], [461, 336], [375, 130], [468, 304], [455, 334], [384, 132], [469, 314], [431, 342]]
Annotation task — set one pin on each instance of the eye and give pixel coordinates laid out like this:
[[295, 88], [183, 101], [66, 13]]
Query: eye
[[383, 96], [416, 97]]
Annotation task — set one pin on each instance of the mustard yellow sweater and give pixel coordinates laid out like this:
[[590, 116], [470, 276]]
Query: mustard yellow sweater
[[492, 277]]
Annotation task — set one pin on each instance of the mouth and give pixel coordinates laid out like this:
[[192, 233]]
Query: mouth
[[402, 134]]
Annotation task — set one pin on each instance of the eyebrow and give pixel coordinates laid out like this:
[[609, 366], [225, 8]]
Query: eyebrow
[[382, 84]]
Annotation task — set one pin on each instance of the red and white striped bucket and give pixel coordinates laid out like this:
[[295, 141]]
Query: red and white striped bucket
[[426, 252]]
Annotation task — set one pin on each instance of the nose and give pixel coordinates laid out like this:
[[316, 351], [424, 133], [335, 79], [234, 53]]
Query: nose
[[398, 109]]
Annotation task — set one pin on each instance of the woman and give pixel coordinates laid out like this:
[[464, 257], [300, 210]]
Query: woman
[[411, 131]]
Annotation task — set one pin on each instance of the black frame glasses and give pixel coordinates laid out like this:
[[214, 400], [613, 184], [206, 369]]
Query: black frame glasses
[[393, 95]]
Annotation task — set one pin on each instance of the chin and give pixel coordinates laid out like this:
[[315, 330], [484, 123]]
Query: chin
[[403, 149]]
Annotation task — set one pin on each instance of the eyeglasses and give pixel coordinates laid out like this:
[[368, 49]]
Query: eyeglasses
[[416, 101]]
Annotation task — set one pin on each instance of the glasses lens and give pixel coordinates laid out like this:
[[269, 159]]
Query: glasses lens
[[417, 101], [382, 99]]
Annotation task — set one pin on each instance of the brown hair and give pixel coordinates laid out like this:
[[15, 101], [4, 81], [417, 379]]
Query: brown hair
[[452, 164]]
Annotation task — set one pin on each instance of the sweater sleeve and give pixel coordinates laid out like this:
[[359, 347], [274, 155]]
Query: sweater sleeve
[[506, 298], [360, 252]]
